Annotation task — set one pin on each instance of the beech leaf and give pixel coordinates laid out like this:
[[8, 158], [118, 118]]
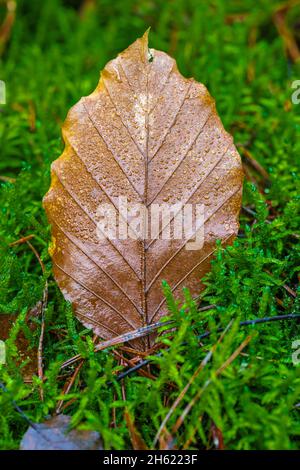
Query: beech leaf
[[150, 136]]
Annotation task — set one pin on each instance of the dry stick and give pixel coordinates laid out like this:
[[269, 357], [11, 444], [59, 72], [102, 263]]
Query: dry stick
[[41, 339], [288, 38], [7, 179], [70, 384], [43, 308], [37, 255], [290, 291], [131, 363], [114, 413], [137, 441], [123, 389], [77, 370], [280, 303], [6, 26], [189, 440], [22, 240], [206, 308], [254, 163], [68, 403], [137, 354], [290, 316], [68, 387], [140, 332], [285, 286], [185, 389], [253, 213]]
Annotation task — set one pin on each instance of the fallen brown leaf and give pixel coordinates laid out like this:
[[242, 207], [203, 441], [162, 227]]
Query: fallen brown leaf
[[152, 136]]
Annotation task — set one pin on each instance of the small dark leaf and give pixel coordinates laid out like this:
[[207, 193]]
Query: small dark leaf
[[54, 434]]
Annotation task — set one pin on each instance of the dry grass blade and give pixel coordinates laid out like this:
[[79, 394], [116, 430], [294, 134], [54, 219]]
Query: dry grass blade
[[188, 408], [284, 31], [137, 441], [254, 163], [6, 27], [70, 383], [7, 179], [185, 389], [43, 308], [22, 240], [132, 363]]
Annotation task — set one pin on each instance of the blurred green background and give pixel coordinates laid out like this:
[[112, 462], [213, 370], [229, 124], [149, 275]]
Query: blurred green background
[[54, 50]]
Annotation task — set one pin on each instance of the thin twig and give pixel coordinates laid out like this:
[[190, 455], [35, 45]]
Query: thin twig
[[253, 213], [69, 385], [42, 333], [123, 388], [36, 255], [284, 31], [137, 441], [290, 290], [129, 362], [145, 362], [140, 332], [254, 163], [22, 240], [41, 340], [7, 179], [285, 286]]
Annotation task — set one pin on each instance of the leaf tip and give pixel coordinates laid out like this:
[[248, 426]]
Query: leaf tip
[[145, 36], [145, 43]]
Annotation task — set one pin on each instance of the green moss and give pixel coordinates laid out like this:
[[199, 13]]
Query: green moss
[[53, 58]]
